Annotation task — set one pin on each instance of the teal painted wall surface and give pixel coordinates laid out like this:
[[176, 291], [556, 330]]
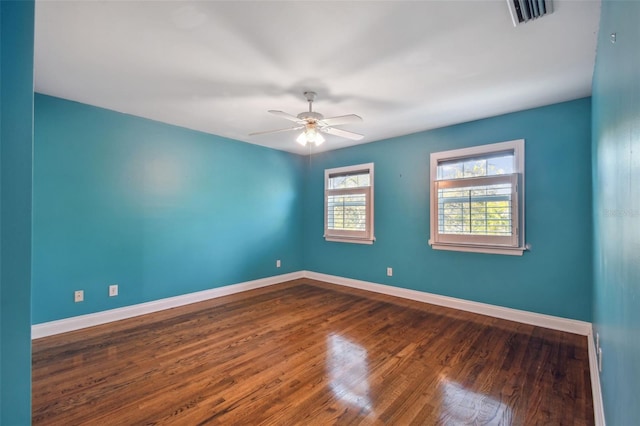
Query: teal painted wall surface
[[554, 278], [616, 209], [159, 210], [16, 143]]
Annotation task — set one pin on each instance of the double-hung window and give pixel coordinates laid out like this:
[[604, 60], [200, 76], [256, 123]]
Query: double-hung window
[[477, 199], [348, 204]]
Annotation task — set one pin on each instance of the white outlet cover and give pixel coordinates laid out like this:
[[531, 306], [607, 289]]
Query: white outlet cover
[[78, 296], [389, 272], [113, 290]]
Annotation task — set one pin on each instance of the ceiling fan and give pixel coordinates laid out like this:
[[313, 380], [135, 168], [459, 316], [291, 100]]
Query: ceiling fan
[[313, 123]]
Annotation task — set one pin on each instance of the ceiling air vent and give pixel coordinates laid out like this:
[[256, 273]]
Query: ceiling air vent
[[525, 10]]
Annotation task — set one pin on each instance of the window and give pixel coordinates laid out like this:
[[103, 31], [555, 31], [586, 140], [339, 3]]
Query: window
[[477, 199], [348, 204]]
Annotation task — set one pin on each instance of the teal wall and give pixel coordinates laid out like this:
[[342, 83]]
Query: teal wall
[[616, 209], [164, 211], [159, 210], [16, 142], [554, 278]]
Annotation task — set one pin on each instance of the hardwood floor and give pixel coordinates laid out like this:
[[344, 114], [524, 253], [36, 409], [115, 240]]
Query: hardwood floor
[[306, 352]]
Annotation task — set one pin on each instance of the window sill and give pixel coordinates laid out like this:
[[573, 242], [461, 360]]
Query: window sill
[[350, 240], [510, 251]]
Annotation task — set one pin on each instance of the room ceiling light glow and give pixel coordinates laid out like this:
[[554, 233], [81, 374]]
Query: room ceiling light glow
[[310, 135]]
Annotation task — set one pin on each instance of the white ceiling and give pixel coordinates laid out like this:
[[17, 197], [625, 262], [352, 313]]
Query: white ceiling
[[404, 67]]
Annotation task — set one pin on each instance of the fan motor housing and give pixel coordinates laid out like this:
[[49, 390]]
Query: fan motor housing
[[310, 115]]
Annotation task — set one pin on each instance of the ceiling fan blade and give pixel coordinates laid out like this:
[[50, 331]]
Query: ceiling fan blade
[[342, 133], [341, 119], [276, 131], [286, 116]]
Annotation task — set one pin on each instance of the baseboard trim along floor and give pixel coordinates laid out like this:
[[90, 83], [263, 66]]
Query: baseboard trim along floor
[[89, 320], [525, 317]]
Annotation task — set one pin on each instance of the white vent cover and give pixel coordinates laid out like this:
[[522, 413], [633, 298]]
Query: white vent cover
[[525, 10]]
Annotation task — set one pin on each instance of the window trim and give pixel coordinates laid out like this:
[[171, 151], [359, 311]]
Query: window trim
[[356, 237], [457, 243]]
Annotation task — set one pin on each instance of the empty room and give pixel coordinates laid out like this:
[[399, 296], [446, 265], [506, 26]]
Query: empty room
[[320, 212]]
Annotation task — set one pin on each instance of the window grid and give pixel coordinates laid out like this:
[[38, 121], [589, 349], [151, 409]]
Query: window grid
[[475, 210], [347, 212]]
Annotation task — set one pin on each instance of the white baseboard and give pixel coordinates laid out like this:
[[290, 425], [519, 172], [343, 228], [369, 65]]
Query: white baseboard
[[596, 390], [526, 317], [89, 320]]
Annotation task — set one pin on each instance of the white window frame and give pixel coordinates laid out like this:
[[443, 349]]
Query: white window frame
[[347, 236], [509, 245]]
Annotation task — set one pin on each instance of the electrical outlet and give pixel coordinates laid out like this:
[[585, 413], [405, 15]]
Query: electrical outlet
[[78, 296], [278, 264], [389, 272], [113, 290], [597, 340]]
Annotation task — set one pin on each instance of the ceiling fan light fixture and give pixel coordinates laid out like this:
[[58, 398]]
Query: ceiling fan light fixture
[[310, 135]]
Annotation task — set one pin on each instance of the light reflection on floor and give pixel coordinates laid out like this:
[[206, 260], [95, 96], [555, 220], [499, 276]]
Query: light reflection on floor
[[461, 406], [348, 368]]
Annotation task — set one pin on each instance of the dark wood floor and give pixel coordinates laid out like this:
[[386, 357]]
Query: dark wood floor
[[311, 353]]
